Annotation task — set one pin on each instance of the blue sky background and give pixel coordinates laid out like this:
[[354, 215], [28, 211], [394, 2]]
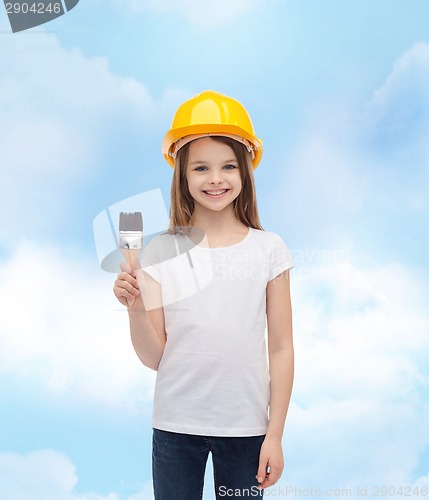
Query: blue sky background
[[339, 93]]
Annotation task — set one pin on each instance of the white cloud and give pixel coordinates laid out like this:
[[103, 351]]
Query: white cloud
[[145, 494], [206, 14], [359, 412], [360, 342], [54, 100], [407, 86], [64, 331], [355, 165], [395, 127], [422, 482], [60, 110], [325, 184], [356, 441], [45, 474]]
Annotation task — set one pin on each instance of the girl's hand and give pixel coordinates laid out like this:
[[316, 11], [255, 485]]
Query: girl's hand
[[126, 288], [271, 455]]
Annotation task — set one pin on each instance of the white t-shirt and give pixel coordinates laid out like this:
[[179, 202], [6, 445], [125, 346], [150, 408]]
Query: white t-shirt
[[213, 377]]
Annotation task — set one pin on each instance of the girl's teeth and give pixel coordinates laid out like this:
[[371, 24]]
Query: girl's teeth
[[216, 193]]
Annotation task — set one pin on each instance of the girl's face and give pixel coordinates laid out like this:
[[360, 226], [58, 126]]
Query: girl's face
[[212, 166]]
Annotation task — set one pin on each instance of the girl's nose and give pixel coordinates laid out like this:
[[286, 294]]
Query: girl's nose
[[215, 178]]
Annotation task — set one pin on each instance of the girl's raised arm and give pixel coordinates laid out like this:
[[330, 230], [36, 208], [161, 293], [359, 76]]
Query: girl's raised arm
[[146, 315]]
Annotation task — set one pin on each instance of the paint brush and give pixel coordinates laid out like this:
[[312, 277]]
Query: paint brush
[[131, 240]]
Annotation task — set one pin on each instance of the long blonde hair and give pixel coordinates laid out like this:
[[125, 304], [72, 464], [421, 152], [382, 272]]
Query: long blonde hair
[[182, 204]]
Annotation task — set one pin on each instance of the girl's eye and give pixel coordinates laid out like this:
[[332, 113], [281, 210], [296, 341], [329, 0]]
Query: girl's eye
[[226, 166]]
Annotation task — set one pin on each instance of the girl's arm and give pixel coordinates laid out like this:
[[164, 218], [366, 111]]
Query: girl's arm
[[146, 315], [280, 350], [147, 326], [281, 363]]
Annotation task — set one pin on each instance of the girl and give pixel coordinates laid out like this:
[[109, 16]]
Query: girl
[[200, 302]]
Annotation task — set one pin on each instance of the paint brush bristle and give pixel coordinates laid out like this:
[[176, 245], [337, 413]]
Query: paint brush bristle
[[132, 221]]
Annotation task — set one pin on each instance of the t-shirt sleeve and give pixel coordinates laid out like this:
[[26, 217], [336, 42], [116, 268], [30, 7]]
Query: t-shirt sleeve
[[280, 257]]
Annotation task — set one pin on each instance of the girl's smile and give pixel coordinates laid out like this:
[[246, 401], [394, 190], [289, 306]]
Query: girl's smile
[[216, 194]]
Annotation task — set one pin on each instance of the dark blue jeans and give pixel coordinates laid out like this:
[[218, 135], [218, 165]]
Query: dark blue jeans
[[179, 464]]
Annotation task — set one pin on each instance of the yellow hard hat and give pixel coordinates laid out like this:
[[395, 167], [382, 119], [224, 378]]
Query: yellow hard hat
[[211, 113]]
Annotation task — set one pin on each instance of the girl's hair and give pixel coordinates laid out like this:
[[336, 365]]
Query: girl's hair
[[182, 203]]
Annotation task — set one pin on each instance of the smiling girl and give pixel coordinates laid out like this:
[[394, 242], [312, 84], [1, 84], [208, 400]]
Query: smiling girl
[[215, 389]]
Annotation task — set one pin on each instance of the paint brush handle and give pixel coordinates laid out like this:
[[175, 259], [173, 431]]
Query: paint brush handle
[[131, 255]]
